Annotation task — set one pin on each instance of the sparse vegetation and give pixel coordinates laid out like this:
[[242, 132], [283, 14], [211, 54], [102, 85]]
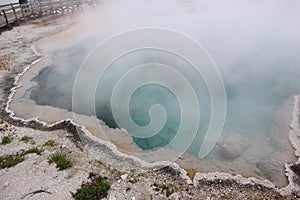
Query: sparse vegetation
[[32, 142], [50, 143], [60, 160], [11, 160], [167, 189], [96, 189], [26, 139], [33, 150], [6, 140], [99, 162]]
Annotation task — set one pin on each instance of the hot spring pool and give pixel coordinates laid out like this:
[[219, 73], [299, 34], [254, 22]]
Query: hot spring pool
[[259, 64]]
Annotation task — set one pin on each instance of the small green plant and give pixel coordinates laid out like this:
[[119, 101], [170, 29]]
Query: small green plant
[[32, 142], [97, 189], [50, 143], [25, 139], [60, 160], [33, 150], [167, 189], [6, 140], [99, 162], [10, 160]]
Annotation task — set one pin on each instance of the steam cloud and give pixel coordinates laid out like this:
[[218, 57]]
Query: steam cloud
[[255, 44]]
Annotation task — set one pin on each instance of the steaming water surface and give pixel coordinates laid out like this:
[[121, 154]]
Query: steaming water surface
[[256, 47]]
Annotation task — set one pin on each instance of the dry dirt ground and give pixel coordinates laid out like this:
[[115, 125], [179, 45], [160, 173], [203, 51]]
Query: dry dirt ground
[[35, 178]]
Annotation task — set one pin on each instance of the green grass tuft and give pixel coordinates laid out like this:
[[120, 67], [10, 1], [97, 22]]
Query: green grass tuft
[[10, 160], [33, 150], [50, 143], [97, 189], [167, 189], [60, 160], [6, 140], [25, 139], [99, 162]]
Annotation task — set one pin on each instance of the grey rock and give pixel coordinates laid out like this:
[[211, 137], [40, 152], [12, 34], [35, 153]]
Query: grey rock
[[232, 146], [124, 176]]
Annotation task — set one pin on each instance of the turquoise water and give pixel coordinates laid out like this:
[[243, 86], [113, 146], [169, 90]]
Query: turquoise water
[[256, 47], [150, 94], [141, 102], [255, 93]]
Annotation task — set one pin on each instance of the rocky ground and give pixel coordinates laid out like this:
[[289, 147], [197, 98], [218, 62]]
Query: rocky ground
[[33, 177]]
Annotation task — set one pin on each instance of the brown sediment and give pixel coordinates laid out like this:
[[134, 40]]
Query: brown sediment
[[5, 62], [190, 173]]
